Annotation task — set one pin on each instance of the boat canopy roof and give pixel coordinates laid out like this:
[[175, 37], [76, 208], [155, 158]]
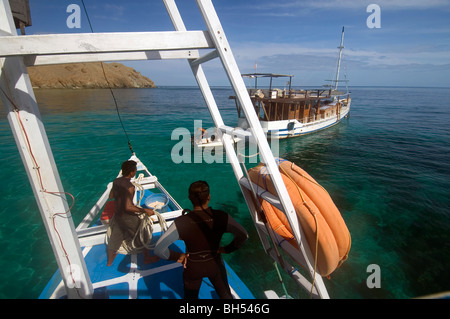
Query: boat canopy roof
[[266, 75]]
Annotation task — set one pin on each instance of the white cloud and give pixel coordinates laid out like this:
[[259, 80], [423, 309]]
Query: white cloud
[[353, 4], [256, 51], [316, 65]]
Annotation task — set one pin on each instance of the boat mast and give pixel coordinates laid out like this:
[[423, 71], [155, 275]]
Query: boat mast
[[341, 47]]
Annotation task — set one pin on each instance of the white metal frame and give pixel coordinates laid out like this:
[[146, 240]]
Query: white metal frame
[[17, 52]]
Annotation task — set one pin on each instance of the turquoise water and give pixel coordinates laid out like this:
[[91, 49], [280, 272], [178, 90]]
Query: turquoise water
[[387, 167]]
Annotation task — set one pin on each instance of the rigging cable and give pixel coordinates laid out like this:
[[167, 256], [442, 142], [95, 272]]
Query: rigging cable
[[109, 85]]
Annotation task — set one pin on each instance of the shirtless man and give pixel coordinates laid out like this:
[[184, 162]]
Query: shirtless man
[[126, 214]]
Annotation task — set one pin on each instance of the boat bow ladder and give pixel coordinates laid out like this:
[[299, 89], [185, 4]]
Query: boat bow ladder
[[18, 52]]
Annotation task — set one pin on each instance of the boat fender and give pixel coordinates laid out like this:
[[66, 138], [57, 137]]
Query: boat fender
[[314, 216], [108, 212], [324, 203]]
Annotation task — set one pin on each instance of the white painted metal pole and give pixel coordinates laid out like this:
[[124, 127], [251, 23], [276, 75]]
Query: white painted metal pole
[[28, 130], [215, 113], [221, 43], [81, 43], [341, 47], [202, 81]]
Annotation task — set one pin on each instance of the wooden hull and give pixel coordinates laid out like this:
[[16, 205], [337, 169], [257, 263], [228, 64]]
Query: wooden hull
[[293, 127]]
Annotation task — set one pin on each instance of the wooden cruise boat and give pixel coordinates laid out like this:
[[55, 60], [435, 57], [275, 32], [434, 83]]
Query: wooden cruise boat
[[285, 113]]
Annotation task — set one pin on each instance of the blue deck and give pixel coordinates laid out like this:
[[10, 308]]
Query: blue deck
[[129, 277], [160, 280]]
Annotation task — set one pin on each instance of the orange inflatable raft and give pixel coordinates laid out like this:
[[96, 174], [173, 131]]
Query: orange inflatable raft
[[315, 211]]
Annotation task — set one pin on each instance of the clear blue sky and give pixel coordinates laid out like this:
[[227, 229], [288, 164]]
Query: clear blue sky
[[299, 37]]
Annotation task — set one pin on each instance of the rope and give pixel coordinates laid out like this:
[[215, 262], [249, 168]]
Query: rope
[[37, 169], [109, 86], [145, 231], [316, 222], [307, 178], [264, 175], [140, 187], [270, 230], [145, 227], [161, 220], [324, 189], [282, 282], [143, 234]]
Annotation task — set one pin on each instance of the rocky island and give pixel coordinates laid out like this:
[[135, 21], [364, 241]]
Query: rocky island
[[87, 76]]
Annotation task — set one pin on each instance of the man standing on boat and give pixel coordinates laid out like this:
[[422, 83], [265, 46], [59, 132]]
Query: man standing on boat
[[127, 220], [201, 230]]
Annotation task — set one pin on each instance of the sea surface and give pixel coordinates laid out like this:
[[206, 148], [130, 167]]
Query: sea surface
[[387, 168]]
